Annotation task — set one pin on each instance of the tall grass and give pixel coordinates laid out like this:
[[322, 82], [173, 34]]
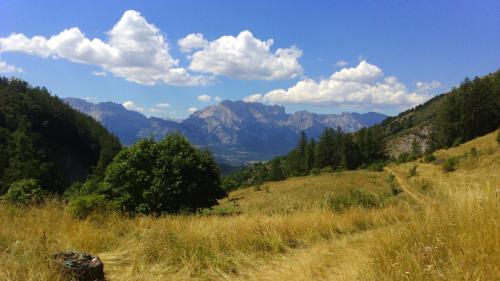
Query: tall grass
[[171, 247], [457, 236], [283, 234]]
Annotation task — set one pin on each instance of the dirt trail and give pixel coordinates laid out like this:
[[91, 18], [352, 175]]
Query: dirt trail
[[342, 259], [407, 188]]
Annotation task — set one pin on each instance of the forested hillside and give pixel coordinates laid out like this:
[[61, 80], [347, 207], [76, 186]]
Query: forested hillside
[[44, 140], [466, 112]]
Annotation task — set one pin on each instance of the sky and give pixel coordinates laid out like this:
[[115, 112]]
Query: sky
[[171, 58]]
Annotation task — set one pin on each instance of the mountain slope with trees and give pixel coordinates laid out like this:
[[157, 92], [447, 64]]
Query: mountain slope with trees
[[45, 140], [466, 112]]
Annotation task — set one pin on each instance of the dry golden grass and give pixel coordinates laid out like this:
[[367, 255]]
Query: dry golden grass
[[456, 237], [284, 234], [302, 193], [170, 248]]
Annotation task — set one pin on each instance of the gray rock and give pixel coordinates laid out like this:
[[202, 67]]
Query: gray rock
[[80, 266]]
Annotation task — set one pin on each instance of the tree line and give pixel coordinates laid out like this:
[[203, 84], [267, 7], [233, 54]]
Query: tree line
[[466, 112], [334, 150]]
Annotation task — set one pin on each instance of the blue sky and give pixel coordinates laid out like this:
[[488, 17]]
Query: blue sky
[[326, 56]]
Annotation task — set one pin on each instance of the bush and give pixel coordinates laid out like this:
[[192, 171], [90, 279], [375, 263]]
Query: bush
[[162, 177], [355, 198], [457, 142], [391, 179], [429, 158], [405, 157], [450, 165], [412, 171], [82, 206], [315, 172], [327, 170], [376, 167], [473, 152], [24, 192]]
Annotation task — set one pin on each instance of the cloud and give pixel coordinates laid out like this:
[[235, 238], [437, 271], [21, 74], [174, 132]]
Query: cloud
[[255, 98], [342, 63], [217, 99], [130, 105], [163, 105], [242, 57], [135, 50], [423, 87], [204, 98], [99, 73], [192, 42], [7, 68], [192, 110], [361, 86]]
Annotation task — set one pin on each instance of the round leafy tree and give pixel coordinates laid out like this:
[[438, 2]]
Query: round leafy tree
[[168, 176]]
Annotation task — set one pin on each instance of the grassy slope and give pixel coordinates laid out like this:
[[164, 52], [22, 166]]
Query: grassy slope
[[301, 193], [452, 235]]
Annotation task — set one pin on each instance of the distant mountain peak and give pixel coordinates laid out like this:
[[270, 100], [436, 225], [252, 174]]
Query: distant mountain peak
[[235, 131]]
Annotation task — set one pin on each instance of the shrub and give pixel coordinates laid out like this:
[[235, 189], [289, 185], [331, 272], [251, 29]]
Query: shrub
[[162, 177], [315, 172], [391, 179], [473, 152], [23, 192], [327, 169], [355, 198], [412, 171], [450, 165], [429, 158], [376, 167], [405, 157], [457, 142], [82, 206]]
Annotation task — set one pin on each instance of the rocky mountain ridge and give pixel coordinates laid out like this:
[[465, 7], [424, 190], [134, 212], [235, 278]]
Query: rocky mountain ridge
[[235, 131]]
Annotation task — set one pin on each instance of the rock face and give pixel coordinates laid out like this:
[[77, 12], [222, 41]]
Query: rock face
[[80, 266], [235, 131]]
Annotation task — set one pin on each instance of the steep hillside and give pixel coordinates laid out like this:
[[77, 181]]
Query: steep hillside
[[43, 138], [466, 112]]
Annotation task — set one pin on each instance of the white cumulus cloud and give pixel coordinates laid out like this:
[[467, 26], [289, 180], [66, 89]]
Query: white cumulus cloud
[[242, 57], [217, 99], [135, 50], [192, 42], [192, 110], [7, 68], [361, 86], [130, 105], [423, 87], [204, 98]]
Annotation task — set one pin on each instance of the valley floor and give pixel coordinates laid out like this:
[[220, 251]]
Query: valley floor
[[443, 226]]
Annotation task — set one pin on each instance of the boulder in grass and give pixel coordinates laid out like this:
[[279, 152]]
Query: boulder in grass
[[81, 266]]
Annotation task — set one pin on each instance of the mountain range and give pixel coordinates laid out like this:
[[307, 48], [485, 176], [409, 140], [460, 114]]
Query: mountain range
[[236, 132]]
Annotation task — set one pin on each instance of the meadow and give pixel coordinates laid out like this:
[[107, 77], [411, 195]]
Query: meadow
[[443, 226]]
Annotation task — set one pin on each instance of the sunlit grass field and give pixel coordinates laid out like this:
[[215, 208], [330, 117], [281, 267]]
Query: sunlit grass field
[[285, 231]]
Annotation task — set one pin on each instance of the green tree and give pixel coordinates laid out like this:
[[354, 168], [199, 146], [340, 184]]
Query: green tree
[[165, 177], [275, 171], [415, 150], [309, 156], [24, 191]]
